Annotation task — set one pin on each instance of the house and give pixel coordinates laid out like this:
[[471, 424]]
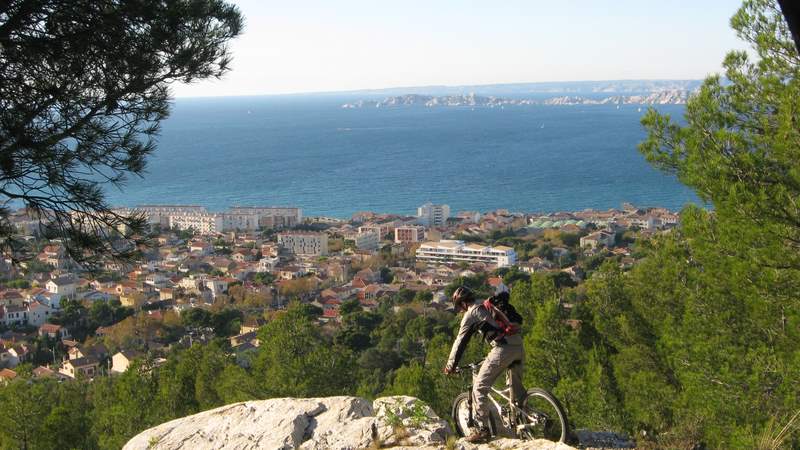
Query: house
[[371, 292], [11, 297], [267, 264], [593, 240], [165, 294], [121, 361], [242, 255], [87, 367], [46, 372], [97, 352], [497, 285], [54, 256], [217, 286], [38, 313], [250, 337], [20, 353], [200, 248], [51, 299], [94, 296], [251, 324], [291, 272], [64, 285], [535, 264], [156, 279], [14, 315], [53, 331]]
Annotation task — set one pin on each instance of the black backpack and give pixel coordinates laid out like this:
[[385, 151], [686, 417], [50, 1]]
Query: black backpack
[[502, 302]]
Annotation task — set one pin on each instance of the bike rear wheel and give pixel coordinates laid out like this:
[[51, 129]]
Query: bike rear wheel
[[542, 417], [464, 419]]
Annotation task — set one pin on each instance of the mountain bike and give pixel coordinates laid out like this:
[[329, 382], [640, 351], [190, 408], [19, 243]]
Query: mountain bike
[[540, 416]]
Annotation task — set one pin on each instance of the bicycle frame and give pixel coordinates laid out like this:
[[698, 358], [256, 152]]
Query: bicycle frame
[[508, 422]]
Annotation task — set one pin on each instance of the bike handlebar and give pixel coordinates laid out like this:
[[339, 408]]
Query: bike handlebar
[[472, 367]]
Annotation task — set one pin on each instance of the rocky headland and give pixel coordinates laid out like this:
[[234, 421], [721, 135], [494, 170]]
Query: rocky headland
[[666, 97]]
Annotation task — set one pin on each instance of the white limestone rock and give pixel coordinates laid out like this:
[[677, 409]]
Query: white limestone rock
[[331, 423], [404, 420]]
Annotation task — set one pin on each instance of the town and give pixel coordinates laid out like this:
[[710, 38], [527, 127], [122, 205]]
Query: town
[[223, 274]]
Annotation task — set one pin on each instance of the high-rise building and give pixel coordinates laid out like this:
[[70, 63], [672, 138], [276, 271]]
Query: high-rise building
[[304, 243], [433, 215]]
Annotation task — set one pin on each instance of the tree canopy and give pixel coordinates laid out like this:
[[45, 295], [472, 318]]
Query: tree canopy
[[84, 85]]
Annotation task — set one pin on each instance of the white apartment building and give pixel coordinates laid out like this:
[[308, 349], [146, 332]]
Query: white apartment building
[[160, 214], [203, 223], [409, 234], [433, 215], [240, 221], [304, 243], [365, 240], [457, 251], [271, 216]]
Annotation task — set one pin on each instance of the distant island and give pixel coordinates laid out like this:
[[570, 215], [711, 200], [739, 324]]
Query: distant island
[[666, 97]]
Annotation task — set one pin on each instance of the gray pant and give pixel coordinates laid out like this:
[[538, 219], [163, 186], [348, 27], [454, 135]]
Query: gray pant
[[502, 357]]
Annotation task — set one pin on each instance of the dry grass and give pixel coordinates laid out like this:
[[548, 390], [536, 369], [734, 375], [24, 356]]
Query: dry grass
[[773, 439]]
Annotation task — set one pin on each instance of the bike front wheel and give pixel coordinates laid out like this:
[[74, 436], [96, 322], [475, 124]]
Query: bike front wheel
[[542, 417], [464, 419]]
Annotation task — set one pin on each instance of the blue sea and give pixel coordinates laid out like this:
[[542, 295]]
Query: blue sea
[[306, 151]]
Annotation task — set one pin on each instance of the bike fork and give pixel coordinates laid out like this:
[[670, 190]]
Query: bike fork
[[471, 420]]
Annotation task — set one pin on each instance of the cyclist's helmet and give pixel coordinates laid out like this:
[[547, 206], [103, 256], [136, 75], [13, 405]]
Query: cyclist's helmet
[[462, 297]]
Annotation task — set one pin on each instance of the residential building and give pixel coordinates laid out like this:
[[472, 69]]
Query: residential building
[[469, 216], [365, 240], [11, 297], [203, 223], [122, 360], [267, 264], [53, 331], [304, 243], [64, 285], [14, 315], [270, 216], [433, 215], [409, 234], [455, 251], [245, 221], [87, 367], [160, 214], [602, 237], [381, 228]]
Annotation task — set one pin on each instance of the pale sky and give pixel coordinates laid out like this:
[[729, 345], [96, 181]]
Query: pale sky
[[293, 46]]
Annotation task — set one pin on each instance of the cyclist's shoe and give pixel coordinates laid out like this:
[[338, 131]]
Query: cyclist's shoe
[[479, 435]]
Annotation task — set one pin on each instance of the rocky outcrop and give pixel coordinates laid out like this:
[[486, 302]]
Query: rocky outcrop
[[331, 423], [308, 424]]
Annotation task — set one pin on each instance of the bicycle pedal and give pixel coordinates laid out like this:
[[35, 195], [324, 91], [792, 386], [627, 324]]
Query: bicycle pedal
[[524, 427]]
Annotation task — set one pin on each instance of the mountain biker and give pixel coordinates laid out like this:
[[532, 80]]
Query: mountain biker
[[507, 352]]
